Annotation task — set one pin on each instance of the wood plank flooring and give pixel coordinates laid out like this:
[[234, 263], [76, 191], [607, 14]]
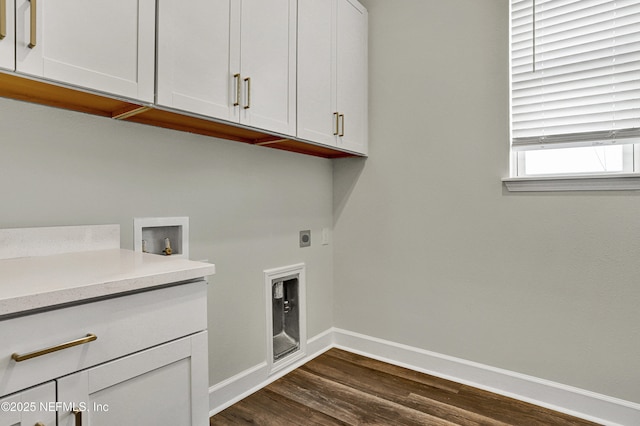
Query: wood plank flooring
[[342, 388]]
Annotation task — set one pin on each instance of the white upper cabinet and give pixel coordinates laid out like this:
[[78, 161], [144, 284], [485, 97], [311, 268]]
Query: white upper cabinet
[[317, 71], [332, 73], [7, 32], [194, 68], [352, 76], [230, 59], [103, 45], [268, 65], [276, 69]]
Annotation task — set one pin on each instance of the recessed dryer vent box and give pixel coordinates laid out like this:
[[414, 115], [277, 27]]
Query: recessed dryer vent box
[[160, 235]]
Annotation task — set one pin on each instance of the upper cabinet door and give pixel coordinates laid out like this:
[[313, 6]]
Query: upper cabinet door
[[352, 75], [7, 31], [230, 59], [332, 73], [194, 69], [317, 111], [104, 45], [268, 65]]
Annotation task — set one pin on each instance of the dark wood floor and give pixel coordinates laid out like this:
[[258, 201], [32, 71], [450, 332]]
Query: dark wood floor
[[341, 388]]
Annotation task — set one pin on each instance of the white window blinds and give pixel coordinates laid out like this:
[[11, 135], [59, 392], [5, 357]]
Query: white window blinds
[[575, 72]]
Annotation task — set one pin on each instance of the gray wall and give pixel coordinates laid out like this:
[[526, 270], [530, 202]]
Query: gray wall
[[246, 205], [430, 250]]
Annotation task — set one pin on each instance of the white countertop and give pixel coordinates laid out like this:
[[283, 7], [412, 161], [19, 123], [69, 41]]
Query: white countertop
[[40, 282]]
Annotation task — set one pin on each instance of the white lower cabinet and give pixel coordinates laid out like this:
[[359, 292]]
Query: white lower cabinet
[[31, 407], [153, 387], [138, 359]]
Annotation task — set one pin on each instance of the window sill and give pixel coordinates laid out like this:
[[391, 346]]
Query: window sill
[[618, 182]]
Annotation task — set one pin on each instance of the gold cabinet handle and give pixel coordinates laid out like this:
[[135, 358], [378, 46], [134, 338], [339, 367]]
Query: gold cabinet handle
[[39, 424], [337, 128], [32, 32], [248, 81], [3, 19], [236, 78], [342, 127], [19, 358], [77, 414]]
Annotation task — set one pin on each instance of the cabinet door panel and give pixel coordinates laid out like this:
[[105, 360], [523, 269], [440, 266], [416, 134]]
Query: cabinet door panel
[[316, 71], [162, 386], [29, 407], [352, 75], [7, 39], [105, 45], [268, 59], [194, 70]]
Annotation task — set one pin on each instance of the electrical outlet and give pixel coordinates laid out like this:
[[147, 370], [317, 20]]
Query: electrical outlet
[[325, 236], [305, 238]]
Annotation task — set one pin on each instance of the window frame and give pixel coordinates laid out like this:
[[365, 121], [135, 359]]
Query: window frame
[[628, 179]]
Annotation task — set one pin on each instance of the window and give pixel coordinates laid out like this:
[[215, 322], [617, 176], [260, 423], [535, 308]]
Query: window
[[575, 87]]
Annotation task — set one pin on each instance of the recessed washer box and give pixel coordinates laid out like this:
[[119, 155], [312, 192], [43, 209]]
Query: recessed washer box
[[156, 234]]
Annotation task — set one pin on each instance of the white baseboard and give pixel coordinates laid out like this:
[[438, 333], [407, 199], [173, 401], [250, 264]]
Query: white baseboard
[[566, 399], [243, 384]]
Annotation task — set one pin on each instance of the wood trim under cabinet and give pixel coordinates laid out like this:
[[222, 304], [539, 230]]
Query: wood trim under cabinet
[[22, 88]]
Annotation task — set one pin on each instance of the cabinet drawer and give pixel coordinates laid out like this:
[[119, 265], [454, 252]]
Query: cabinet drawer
[[123, 325]]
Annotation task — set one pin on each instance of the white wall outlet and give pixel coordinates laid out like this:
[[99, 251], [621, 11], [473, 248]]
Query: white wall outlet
[[325, 236]]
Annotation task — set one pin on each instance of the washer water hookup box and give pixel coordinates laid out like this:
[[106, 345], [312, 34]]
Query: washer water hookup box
[[166, 236]]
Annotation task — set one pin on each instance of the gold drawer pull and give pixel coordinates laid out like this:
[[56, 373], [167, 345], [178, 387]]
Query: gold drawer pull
[[248, 81], [236, 77], [77, 415], [90, 338], [32, 24], [3, 19]]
